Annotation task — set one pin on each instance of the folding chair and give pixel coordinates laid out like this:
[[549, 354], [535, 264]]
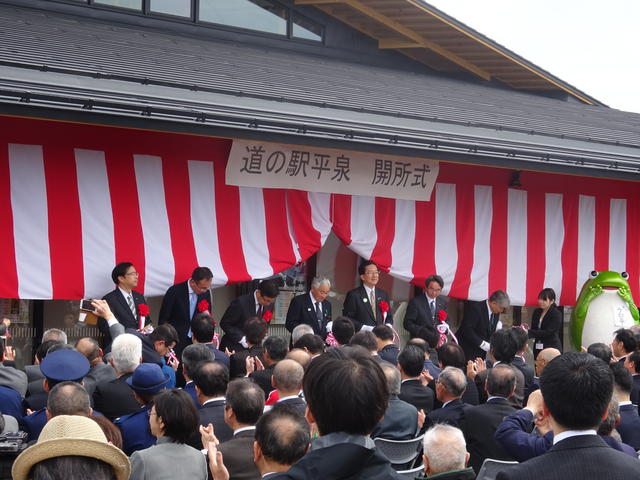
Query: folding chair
[[401, 453], [490, 468]]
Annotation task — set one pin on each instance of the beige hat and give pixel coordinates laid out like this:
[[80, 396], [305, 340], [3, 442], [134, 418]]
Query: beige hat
[[71, 435]]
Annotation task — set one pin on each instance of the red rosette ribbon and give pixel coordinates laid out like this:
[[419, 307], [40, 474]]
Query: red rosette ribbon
[[143, 311], [203, 306], [442, 315], [384, 308], [267, 315]]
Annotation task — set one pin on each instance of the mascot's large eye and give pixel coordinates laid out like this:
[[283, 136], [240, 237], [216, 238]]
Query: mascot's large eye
[[593, 274], [625, 275]]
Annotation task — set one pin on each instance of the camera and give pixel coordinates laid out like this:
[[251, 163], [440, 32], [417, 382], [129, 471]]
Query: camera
[[11, 445]]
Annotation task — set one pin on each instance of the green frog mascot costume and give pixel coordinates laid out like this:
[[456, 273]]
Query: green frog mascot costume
[[604, 305]]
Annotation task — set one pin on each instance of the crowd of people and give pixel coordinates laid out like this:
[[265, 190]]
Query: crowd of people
[[175, 401]]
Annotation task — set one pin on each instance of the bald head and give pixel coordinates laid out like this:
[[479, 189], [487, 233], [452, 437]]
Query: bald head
[[299, 355], [544, 357], [501, 381], [89, 347], [287, 377]]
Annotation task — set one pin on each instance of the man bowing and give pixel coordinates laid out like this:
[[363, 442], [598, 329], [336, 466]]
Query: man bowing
[[368, 305], [183, 300], [421, 318]]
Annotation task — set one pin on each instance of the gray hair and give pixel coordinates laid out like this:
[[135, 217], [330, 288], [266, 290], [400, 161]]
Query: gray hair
[[194, 354], [453, 380], [54, 334], [392, 374], [445, 448], [288, 375], [126, 351], [299, 331], [68, 398], [317, 281], [609, 423], [501, 298]]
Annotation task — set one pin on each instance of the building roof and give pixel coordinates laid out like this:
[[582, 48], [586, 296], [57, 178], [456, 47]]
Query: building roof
[[79, 63], [430, 36]]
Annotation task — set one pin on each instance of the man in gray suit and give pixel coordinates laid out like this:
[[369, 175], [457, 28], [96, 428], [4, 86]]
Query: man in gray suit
[[9, 376], [100, 371]]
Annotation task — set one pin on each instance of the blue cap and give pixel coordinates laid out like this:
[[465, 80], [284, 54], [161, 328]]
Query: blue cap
[[147, 378], [64, 365]]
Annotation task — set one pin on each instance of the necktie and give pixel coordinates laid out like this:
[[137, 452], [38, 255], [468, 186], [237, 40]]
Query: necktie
[[432, 307], [319, 314], [192, 303], [372, 299], [494, 322], [132, 305], [260, 311]]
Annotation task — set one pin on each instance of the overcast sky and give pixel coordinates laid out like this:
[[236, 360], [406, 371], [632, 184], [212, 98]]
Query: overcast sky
[[593, 45]]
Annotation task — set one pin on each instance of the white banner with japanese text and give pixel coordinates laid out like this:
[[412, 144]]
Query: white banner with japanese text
[[273, 165]]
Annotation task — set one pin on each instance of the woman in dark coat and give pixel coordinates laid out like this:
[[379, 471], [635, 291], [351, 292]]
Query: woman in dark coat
[[546, 323]]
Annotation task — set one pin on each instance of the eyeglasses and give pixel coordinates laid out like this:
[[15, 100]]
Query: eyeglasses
[[131, 273], [372, 274]]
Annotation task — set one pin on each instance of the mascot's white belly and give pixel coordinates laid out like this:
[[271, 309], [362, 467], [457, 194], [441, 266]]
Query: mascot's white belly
[[606, 314]]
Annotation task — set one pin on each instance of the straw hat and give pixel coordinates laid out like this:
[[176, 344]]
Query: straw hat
[[71, 435]]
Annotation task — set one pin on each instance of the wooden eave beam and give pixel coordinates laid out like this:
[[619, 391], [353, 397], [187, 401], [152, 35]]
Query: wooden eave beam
[[393, 43], [417, 38]]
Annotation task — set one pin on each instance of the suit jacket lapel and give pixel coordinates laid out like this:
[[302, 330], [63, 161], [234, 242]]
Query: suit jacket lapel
[[311, 310], [183, 298], [125, 305], [367, 304]]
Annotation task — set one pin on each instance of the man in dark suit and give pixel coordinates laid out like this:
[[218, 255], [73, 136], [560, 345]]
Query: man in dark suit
[[632, 363], [211, 380], [421, 317], [400, 421], [479, 322], [576, 388], [362, 304], [202, 331], [124, 301], [245, 403], [275, 350], [287, 380], [114, 398], [183, 300], [480, 422], [311, 308], [192, 356], [450, 386], [410, 364], [387, 350], [282, 438], [258, 303], [629, 426]]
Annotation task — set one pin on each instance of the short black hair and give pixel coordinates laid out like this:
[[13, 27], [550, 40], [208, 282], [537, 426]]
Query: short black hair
[[547, 294], [212, 378], [627, 338], [203, 327], [276, 347], [411, 359], [283, 435], [73, 466], [365, 339], [577, 388], [622, 378], [120, 270], [255, 329], [269, 288], [601, 351], [313, 343], [520, 336], [451, 355], [201, 273], [383, 332], [434, 278], [363, 266], [634, 357], [178, 413], [68, 398], [346, 391], [194, 354], [166, 333], [246, 399], [500, 380], [343, 330], [44, 347], [503, 346]]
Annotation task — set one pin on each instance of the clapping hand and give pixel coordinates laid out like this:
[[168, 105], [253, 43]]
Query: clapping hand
[[207, 435], [216, 463]]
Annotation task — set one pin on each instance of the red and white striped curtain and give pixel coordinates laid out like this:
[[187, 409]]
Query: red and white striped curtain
[[77, 199]]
